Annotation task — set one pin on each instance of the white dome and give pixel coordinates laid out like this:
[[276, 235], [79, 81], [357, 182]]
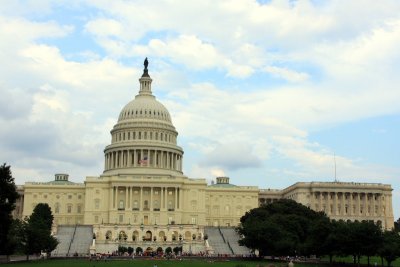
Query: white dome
[[144, 107], [144, 140]]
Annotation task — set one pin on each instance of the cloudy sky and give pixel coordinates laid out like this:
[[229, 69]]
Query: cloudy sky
[[265, 92]]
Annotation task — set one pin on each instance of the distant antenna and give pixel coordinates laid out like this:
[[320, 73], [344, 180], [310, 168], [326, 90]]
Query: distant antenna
[[334, 158]]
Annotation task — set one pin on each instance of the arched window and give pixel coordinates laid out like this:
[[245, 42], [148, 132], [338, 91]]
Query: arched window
[[108, 235]]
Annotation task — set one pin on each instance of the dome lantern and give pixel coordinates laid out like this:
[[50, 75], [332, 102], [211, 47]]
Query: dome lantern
[[145, 80]]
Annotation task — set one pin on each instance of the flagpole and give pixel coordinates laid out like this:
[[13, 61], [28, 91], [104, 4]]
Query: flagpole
[[334, 158]]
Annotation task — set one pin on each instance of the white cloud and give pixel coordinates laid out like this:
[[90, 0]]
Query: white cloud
[[212, 68], [287, 74]]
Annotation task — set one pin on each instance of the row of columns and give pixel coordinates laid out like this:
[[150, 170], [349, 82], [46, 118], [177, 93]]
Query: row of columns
[[353, 205], [143, 158], [128, 198], [143, 135]]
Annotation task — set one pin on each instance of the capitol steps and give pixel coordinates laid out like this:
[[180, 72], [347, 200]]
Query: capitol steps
[[216, 241], [73, 239], [82, 240], [232, 237]]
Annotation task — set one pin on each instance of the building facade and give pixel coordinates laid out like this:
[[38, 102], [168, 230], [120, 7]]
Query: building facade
[[143, 195]]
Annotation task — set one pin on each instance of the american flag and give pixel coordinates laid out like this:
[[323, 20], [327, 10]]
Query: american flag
[[143, 161]]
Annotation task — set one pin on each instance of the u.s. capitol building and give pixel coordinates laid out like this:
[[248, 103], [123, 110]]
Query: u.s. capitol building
[[144, 199]]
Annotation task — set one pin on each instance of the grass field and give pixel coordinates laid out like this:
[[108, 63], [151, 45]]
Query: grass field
[[364, 260], [170, 263], [143, 263]]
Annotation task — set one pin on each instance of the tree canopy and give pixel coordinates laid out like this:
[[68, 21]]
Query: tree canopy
[[390, 249], [397, 225], [281, 228], [8, 197], [33, 234], [287, 228]]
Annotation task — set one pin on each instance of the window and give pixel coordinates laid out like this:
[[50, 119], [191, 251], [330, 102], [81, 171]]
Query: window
[[69, 196], [79, 196], [121, 218], [79, 209], [193, 220], [121, 205], [69, 208], [97, 204], [57, 208], [96, 219]]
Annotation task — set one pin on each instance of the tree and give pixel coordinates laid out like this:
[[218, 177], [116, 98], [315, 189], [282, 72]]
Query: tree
[[279, 229], [320, 239], [139, 250], [363, 238], [397, 225], [177, 250], [8, 197], [370, 238], [337, 241], [122, 249], [42, 213], [390, 249], [34, 233]]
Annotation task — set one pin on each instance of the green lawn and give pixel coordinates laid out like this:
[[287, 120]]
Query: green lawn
[[364, 260], [144, 263], [172, 263]]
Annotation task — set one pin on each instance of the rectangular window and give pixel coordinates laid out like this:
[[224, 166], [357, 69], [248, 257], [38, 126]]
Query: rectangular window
[[79, 209], [69, 208], [96, 219], [121, 218]]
